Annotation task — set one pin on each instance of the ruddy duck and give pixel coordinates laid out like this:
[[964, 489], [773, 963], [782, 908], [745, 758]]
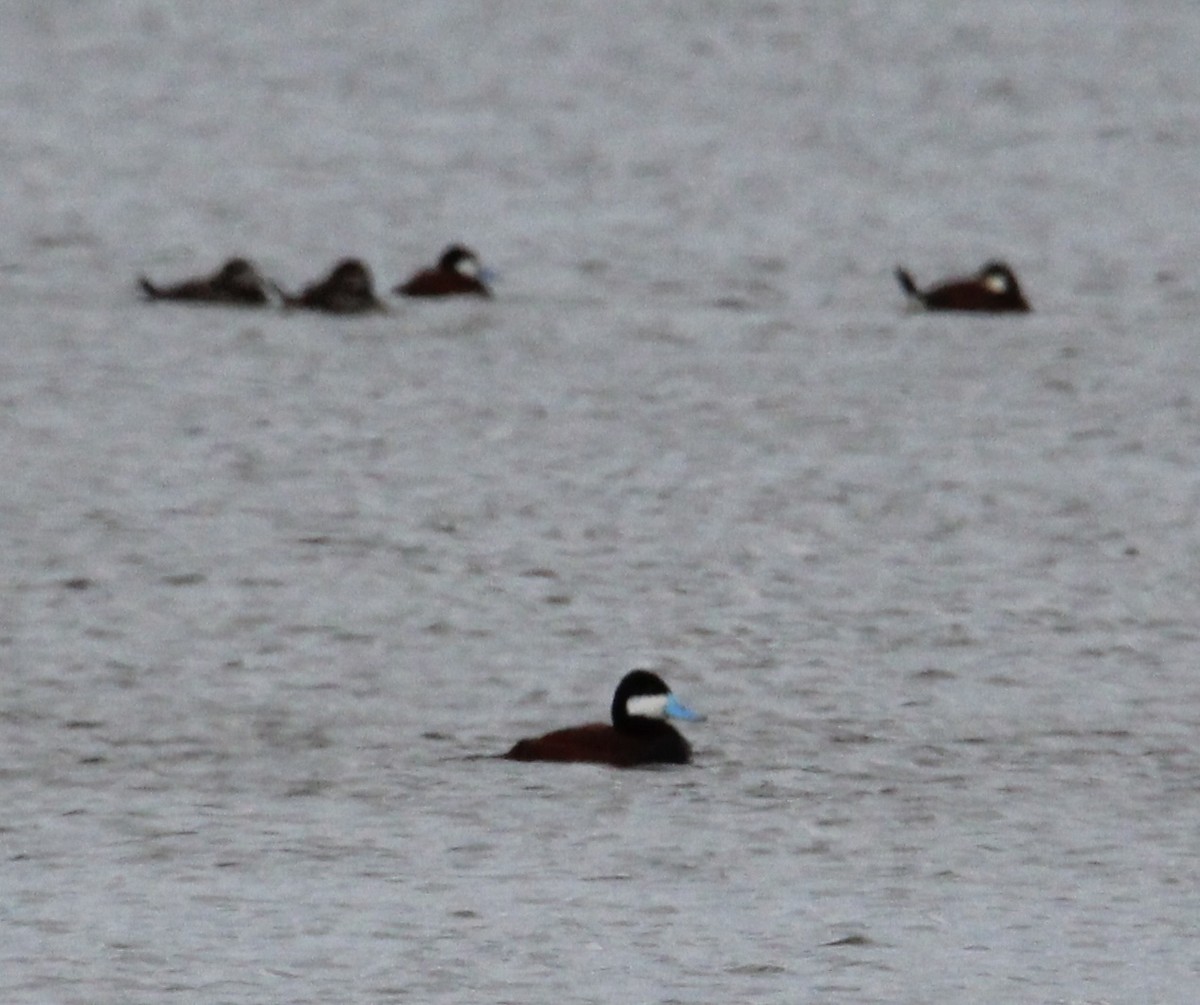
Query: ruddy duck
[[993, 289], [457, 272], [348, 289], [639, 733], [236, 282]]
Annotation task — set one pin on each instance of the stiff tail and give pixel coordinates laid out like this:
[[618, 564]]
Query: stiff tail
[[148, 287], [907, 284]]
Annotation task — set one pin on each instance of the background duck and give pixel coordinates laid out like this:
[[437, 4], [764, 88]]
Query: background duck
[[458, 272], [993, 288], [348, 289], [235, 282]]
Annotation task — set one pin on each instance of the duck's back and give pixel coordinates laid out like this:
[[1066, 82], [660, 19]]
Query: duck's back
[[442, 283], [600, 743]]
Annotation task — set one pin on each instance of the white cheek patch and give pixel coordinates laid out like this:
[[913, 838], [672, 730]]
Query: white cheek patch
[[995, 282], [468, 267], [648, 706]]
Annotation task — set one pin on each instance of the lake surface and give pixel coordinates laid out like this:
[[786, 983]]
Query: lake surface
[[276, 585]]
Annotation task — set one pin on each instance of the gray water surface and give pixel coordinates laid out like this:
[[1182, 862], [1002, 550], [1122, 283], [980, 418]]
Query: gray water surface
[[276, 585]]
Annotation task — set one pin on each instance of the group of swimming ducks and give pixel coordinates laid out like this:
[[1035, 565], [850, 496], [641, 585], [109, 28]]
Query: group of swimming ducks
[[639, 733], [350, 289]]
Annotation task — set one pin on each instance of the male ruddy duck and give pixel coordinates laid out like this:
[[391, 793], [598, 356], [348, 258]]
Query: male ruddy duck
[[235, 282], [457, 272], [993, 289], [639, 733], [348, 289]]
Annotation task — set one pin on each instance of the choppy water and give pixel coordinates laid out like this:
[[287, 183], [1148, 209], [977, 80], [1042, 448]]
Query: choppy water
[[271, 583]]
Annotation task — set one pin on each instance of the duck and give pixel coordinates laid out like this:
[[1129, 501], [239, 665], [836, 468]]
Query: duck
[[235, 282], [348, 289], [458, 272], [993, 289], [639, 734]]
